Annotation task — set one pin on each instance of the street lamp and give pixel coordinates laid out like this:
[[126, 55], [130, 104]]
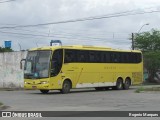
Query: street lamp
[[138, 32], [142, 27]]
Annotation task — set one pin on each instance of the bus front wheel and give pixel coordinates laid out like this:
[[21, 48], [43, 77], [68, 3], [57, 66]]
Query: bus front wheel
[[66, 87], [119, 84], [44, 91]]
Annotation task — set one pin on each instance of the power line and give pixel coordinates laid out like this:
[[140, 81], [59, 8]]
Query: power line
[[81, 35], [82, 19], [59, 35], [74, 32], [7, 1], [72, 40], [129, 11], [72, 37], [76, 40]]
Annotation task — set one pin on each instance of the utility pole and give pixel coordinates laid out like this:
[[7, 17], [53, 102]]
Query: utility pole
[[132, 41]]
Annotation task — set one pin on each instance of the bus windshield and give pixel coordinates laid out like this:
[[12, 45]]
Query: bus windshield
[[37, 64]]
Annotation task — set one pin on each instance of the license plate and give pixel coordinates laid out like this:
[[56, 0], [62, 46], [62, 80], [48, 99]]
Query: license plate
[[34, 87]]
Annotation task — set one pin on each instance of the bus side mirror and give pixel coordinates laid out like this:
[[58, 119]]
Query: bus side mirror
[[21, 65]]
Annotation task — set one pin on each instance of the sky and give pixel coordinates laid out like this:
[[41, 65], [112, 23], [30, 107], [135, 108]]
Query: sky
[[114, 32]]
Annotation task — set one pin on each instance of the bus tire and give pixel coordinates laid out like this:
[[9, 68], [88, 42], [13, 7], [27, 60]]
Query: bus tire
[[66, 87], [119, 84], [127, 84], [44, 91]]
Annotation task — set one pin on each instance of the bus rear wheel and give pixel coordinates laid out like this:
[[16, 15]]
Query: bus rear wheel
[[66, 87], [126, 84], [44, 91]]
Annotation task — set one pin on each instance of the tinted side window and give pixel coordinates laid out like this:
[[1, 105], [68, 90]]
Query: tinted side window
[[70, 56], [138, 57], [124, 58], [56, 63], [118, 57], [128, 57], [94, 56], [115, 57], [108, 56], [105, 57], [134, 57], [98, 56], [82, 55]]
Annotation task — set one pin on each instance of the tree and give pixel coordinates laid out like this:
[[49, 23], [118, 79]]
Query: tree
[[5, 49], [149, 43], [152, 64]]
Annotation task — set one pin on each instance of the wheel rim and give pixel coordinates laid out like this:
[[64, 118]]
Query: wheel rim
[[127, 84], [66, 87], [119, 84]]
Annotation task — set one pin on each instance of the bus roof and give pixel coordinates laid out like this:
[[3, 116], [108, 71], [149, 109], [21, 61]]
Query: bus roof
[[81, 47]]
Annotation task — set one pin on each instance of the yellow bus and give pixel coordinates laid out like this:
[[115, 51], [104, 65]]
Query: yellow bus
[[66, 67]]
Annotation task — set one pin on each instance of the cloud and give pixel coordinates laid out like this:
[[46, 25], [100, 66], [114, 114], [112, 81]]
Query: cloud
[[112, 32]]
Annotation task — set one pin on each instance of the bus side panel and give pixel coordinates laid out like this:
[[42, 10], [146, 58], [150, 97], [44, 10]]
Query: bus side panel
[[56, 82], [88, 75], [70, 71]]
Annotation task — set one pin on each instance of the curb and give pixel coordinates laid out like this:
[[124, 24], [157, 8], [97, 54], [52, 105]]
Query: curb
[[3, 107]]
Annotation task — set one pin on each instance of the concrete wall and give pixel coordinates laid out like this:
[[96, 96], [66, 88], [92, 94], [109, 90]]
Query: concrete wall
[[11, 76]]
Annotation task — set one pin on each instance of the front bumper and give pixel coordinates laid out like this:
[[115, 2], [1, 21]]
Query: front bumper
[[36, 84], [38, 87]]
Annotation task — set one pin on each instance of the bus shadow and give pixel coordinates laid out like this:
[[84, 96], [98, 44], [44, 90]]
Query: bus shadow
[[73, 91]]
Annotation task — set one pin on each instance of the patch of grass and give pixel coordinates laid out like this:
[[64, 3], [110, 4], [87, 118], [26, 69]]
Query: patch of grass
[[1, 104], [140, 89]]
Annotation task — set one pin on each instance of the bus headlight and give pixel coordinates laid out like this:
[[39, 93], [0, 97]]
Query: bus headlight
[[44, 82]]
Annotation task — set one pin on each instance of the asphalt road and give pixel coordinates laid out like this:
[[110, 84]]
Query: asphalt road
[[81, 100]]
